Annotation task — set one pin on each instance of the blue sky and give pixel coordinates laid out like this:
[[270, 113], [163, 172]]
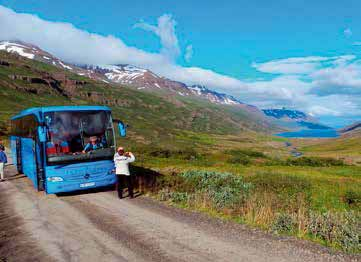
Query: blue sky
[[249, 41]]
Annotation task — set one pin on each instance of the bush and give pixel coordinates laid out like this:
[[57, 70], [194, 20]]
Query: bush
[[315, 161], [185, 154], [179, 197], [280, 183], [241, 159], [283, 223], [224, 189], [245, 152], [340, 229], [306, 161], [290, 191], [352, 198]]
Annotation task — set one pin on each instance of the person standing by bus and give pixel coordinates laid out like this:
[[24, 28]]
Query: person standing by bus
[[3, 161], [121, 161]]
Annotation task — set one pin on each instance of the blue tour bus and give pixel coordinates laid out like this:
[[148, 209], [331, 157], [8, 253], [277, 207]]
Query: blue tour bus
[[47, 145]]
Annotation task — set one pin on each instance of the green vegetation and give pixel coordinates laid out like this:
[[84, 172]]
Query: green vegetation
[[296, 197], [280, 203]]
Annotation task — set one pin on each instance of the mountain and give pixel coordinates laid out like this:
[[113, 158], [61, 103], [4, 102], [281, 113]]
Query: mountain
[[125, 75], [32, 52], [353, 128], [157, 119], [286, 114], [293, 119]]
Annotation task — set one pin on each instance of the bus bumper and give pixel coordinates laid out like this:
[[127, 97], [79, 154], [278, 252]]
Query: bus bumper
[[61, 187]]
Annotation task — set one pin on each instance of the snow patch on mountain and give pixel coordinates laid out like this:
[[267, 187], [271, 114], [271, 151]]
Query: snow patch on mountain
[[213, 96], [65, 66], [16, 48]]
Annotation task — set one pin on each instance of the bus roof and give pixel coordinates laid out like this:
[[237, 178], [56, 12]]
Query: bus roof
[[37, 110]]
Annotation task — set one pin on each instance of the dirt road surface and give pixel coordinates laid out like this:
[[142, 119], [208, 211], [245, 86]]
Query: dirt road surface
[[96, 226]]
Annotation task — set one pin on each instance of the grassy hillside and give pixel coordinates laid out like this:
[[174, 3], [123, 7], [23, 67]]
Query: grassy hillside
[[154, 118], [346, 147]]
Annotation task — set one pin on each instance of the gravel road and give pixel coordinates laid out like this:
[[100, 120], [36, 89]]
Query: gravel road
[[96, 226]]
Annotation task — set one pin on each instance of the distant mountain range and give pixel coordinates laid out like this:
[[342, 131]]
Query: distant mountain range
[[355, 127], [285, 113]]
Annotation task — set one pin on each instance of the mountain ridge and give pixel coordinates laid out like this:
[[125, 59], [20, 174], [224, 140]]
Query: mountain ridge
[[123, 74], [355, 127], [294, 119]]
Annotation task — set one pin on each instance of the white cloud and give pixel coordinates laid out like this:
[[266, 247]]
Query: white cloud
[[299, 65], [69, 43], [347, 32], [189, 53], [80, 47], [345, 79], [165, 30], [319, 85]]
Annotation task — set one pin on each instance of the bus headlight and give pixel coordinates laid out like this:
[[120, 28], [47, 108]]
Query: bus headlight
[[55, 179]]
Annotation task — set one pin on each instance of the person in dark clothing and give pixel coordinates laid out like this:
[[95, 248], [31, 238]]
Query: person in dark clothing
[[3, 161]]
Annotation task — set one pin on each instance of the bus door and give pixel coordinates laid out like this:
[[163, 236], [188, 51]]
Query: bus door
[[28, 159], [14, 145]]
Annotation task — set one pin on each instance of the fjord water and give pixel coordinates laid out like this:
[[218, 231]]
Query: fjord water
[[311, 133]]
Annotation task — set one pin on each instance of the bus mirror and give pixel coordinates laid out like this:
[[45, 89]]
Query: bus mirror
[[42, 134], [122, 129]]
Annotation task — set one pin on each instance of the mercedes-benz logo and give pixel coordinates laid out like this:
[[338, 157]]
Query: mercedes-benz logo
[[86, 176]]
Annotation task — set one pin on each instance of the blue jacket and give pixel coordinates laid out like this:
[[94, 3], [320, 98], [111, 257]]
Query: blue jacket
[[3, 158], [89, 147]]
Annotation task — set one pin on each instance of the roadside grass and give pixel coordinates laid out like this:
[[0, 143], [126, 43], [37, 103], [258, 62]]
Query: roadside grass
[[310, 199]]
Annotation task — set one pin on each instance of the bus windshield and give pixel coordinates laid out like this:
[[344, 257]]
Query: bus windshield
[[79, 136]]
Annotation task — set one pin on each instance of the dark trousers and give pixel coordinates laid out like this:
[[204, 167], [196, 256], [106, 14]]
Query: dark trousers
[[124, 181]]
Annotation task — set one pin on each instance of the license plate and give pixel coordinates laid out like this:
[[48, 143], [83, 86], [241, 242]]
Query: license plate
[[87, 184]]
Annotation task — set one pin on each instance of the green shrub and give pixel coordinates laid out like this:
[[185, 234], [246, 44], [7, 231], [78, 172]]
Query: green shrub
[[280, 183], [179, 197], [283, 223], [290, 191], [241, 159], [245, 152], [314, 161], [164, 194], [306, 161], [224, 189], [340, 229], [352, 197], [185, 154]]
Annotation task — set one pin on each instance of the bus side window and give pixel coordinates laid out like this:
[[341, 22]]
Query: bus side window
[[24, 127]]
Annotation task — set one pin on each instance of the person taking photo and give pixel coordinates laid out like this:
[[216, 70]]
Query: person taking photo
[[121, 161]]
